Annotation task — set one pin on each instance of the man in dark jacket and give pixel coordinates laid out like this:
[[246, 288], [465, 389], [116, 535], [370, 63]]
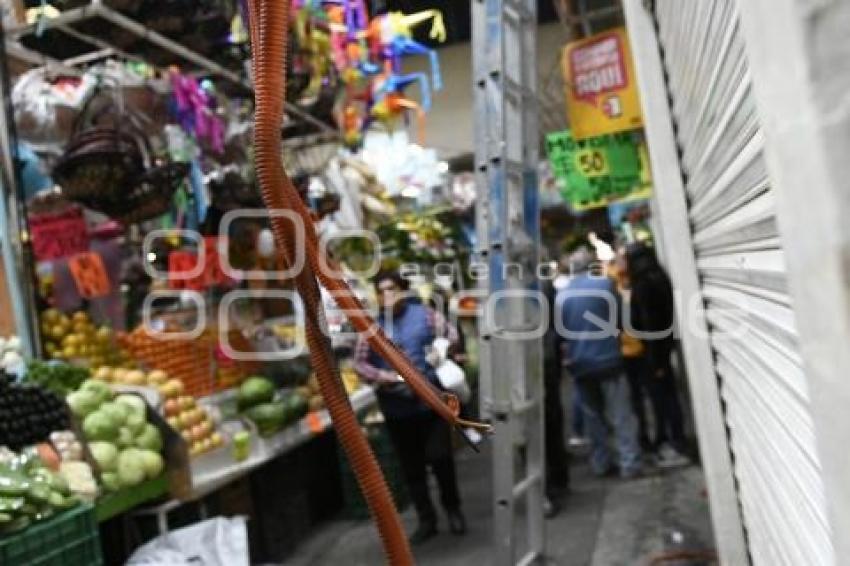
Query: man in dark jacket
[[419, 436], [590, 320], [652, 313]]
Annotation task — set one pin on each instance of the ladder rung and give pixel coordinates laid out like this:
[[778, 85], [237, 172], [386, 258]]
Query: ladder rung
[[527, 482], [527, 405], [516, 91], [518, 11], [530, 557]]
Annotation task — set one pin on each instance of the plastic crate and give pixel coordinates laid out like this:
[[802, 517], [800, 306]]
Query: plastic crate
[[355, 504], [69, 539]]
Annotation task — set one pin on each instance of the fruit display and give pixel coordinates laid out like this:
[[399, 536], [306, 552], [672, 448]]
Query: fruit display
[[29, 491], [256, 400], [123, 376], [125, 446], [180, 410], [10, 353], [183, 414], [29, 413], [76, 337], [193, 361], [61, 378], [311, 392], [254, 391]]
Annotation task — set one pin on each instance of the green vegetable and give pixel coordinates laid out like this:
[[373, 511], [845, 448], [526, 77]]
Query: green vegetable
[[269, 417], [13, 483], [134, 403], [150, 439], [44, 512], [111, 481], [38, 493], [82, 403], [98, 426], [255, 391], [62, 379], [126, 439], [56, 499], [58, 483], [135, 423], [5, 518], [11, 504], [116, 411], [105, 454], [99, 388], [131, 468], [152, 463]]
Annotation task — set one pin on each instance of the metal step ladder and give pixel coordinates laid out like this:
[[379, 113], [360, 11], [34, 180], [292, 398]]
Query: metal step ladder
[[507, 221]]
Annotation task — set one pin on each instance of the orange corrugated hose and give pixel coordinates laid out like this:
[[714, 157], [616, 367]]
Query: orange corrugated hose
[[269, 27]]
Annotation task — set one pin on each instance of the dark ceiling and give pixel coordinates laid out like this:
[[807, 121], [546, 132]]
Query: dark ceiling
[[456, 13]]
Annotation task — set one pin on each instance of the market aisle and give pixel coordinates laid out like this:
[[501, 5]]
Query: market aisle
[[605, 522]]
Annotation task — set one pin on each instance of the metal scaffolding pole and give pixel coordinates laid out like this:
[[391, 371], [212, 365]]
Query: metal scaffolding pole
[[507, 219], [14, 247]]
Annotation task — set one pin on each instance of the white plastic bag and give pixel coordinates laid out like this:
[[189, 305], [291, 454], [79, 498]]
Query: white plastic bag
[[214, 542], [453, 378]]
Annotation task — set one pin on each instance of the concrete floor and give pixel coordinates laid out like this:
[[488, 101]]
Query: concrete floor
[[605, 522]]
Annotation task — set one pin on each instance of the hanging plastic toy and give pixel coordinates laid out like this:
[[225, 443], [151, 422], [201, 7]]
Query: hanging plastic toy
[[193, 106], [390, 38], [390, 102]]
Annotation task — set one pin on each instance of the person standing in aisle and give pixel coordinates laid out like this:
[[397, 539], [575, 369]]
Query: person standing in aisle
[[577, 438], [557, 457], [590, 320], [634, 357], [419, 436], [652, 311]]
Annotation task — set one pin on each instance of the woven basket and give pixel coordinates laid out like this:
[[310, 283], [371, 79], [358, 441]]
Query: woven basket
[[108, 167]]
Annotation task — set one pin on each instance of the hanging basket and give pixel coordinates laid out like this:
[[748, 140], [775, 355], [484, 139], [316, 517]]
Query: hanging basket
[[108, 167], [150, 195]]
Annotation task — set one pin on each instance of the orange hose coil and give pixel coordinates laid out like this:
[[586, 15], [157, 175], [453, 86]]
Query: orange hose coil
[[269, 35]]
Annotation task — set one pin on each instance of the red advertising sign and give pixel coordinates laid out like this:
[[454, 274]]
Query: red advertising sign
[[89, 275], [183, 271], [602, 95], [55, 236]]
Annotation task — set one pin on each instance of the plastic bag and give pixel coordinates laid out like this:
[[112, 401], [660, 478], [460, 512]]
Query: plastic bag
[[215, 542], [453, 378]]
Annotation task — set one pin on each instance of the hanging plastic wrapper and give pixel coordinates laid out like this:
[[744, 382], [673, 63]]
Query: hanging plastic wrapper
[[45, 107]]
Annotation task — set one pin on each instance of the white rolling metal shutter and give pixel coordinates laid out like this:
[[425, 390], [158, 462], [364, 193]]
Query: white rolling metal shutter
[[742, 271]]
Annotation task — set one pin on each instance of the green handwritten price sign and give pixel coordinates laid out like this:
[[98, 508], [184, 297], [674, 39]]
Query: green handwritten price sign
[[599, 170]]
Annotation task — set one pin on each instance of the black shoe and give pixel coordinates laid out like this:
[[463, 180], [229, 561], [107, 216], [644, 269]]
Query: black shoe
[[457, 522], [426, 530]]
